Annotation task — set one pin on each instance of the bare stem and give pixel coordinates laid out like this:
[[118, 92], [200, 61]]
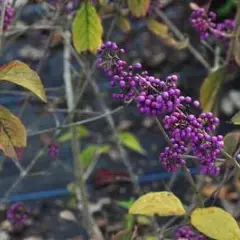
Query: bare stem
[[80, 183]]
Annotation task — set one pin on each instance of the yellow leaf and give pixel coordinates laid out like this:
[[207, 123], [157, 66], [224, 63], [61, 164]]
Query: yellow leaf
[[161, 30], [19, 73], [215, 223], [160, 203], [157, 28], [13, 137], [210, 88], [124, 24], [138, 8], [87, 29]]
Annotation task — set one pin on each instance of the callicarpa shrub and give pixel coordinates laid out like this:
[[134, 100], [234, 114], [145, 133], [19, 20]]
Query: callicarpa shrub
[[162, 98]]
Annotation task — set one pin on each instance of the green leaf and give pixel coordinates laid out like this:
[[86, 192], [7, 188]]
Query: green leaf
[[71, 187], [103, 149], [210, 88], [72, 203], [236, 119], [130, 141], [125, 204], [87, 29], [13, 136], [160, 203], [138, 8], [19, 73], [89, 153], [215, 223], [129, 221], [161, 30], [124, 24], [143, 220], [232, 142], [81, 131], [226, 8]]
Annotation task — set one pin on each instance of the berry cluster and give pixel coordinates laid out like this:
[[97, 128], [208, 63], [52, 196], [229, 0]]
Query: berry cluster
[[155, 97], [53, 150], [205, 23], [18, 214], [8, 17], [188, 234]]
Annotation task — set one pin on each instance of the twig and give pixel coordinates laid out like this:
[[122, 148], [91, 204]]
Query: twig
[[81, 189], [177, 32], [3, 9], [63, 126]]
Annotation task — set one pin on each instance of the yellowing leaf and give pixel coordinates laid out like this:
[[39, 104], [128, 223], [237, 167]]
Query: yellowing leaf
[[232, 142], [157, 28], [130, 141], [160, 203], [161, 30], [138, 8], [236, 47], [124, 24], [236, 119], [13, 137], [210, 88], [215, 223], [87, 29], [19, 73]]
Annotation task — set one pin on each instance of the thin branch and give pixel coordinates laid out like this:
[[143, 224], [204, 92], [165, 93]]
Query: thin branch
[[178, 33]]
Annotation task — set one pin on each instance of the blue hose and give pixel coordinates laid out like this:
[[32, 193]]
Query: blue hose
[[65, 192]]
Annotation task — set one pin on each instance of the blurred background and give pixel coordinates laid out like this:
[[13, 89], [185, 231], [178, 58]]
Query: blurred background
[[36, 37]]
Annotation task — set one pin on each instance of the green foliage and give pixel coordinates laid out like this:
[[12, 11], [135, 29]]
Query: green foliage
[[89, 153], [236, 118], [130, 140], [87, 29], [232, 142], [125, 204], [138, 8], [19, 73], [210, 88], [228, 6], [81, 131], [13, 136], [215, 223]]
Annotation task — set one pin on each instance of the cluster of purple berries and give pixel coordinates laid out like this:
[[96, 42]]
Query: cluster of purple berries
[[188, 234], [18, 214], [53, 150], [155, 97], [205, 23], [8, 17]]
